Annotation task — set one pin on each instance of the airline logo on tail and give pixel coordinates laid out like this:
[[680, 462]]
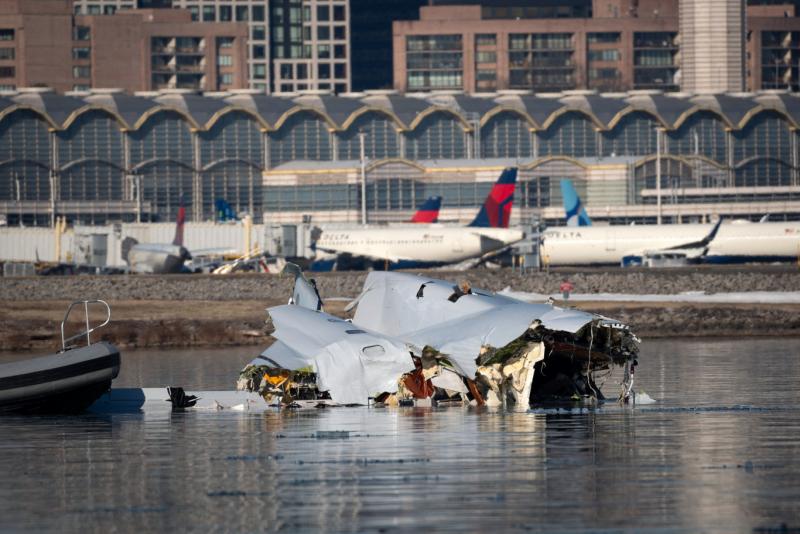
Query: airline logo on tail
[[224, 210], [429, 211], [179, 226], [575, 212], [496, 209]]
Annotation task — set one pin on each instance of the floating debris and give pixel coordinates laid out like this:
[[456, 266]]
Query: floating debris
[[422, 341], [332, 434]]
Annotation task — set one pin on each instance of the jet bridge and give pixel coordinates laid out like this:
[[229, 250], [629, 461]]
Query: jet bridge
[[289, 240]]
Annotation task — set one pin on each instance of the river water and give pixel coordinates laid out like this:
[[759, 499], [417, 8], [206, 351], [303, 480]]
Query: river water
[[718, 452]]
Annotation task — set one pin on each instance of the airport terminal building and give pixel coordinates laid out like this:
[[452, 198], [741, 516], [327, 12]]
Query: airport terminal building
[[107, 156]]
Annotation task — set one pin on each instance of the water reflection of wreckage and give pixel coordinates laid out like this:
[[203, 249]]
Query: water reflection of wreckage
[[414, 340]]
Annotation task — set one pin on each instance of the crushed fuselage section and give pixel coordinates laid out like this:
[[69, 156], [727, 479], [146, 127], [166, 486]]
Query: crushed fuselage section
[[411, 342]]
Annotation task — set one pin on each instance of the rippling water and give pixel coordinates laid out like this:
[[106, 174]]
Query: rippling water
[[719, 452]]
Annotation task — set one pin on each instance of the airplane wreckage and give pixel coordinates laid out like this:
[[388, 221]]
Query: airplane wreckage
[[415, 340]]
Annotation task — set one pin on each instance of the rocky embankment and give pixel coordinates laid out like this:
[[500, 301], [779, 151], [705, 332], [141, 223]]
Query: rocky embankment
[[348, 284], [196, 310]]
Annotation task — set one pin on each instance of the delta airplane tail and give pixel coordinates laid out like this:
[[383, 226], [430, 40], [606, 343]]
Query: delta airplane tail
[[496, 209], [179, 226], [575, 212], [224, 210], [429, 211]]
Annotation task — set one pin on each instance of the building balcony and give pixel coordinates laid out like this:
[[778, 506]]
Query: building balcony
[[199, 69]]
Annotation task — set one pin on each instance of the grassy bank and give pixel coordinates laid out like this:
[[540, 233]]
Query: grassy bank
[[33, 325]]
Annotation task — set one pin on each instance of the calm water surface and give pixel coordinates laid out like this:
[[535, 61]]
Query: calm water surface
[[719, 452]]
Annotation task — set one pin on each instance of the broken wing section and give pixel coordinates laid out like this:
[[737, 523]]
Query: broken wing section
[[349, 364]]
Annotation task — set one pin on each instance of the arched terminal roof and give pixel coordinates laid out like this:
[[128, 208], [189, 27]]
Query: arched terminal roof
[[270, 109], [668, 109], [337, 109], [405, 108], [55, 108], [603, 109], [200, 109], [339, 112], [128, 108]]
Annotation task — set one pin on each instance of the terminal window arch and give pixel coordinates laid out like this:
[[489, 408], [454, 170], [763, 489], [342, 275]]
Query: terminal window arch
[[381, 140], [633, 135], [164, 184], [506, 135], [91, 181], [765, 134], [438, 136], [236, 182], [30, 180], [94, 134], [535, 192], [24, 135], [571, 134], [763, 171], [456, 194], [236, 135], [675, 175], [164, 135], [304, 136], [392, 194], [703, 133]]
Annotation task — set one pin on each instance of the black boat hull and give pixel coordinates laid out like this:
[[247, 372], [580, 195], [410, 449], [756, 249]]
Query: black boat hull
[[61, 383]]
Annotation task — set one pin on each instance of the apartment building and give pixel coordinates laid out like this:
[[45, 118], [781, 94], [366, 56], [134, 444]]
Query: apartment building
[[622, 45], [153, 49], [35, 40], [477, 48], [43, 44], [292, 45]]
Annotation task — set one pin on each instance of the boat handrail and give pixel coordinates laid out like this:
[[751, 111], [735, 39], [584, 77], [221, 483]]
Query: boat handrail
[[89, 329]]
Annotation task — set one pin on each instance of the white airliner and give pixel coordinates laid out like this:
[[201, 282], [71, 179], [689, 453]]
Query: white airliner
[[158, 258], [734, 242], [431, 245]]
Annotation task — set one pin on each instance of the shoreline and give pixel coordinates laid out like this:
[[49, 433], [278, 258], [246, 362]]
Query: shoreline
[[33, 326], [206, 310]]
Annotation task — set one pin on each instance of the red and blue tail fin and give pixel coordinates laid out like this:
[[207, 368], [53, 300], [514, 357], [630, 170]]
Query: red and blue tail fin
[[179, 225], [429, 211], [496, 209]]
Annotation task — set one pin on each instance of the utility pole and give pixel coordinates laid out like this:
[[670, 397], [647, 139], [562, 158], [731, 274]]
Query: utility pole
[[19, 198], [658, 176], [361, 140]]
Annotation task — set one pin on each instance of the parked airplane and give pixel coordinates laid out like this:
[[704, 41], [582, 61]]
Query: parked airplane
[[732, 242], [158, 258], [576, 213], [432, 245]]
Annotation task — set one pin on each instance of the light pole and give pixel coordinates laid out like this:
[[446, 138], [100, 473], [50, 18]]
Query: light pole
[[696, 156], [658, 176], [19, 198], [361, 140]]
